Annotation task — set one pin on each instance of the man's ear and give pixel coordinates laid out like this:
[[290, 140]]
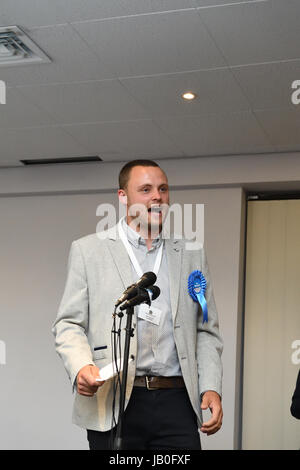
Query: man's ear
[[122, 196]]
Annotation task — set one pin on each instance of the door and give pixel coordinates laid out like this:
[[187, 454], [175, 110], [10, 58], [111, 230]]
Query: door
[[272, 325]]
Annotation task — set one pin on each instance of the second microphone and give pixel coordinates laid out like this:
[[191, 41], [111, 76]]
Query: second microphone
[[143, 296]]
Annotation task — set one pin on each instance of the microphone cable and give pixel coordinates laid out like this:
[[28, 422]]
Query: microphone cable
[[116, 348]]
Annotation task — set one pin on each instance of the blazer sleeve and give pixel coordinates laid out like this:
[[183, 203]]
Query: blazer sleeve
[[71, 324], [295, 406], [209, 341]]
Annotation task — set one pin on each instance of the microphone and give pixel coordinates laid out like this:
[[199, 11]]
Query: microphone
[[147, 279], [144, 295]]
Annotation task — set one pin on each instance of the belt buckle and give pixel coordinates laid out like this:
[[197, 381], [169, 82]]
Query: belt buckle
[[148, 384]]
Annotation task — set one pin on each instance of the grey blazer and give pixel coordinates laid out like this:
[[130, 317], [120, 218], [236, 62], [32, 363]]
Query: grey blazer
[[99, 270]]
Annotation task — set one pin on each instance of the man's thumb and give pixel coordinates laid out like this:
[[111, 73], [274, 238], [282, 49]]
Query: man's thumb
[[204, 404]]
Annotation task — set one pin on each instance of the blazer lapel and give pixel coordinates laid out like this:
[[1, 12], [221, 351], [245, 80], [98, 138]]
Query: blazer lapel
[[121, 259], [174, 251]]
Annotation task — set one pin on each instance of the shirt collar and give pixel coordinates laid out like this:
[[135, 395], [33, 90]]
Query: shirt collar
[[136, 239]]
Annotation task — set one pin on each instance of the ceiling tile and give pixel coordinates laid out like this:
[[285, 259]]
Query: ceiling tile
[[29, 13], [248, 33], [80, 10], [209, 3], [19, 112], [124, 140], [32, 13], [268, 85], [151, 44], [282, 127], [38, 142], [72, 60], [85, 101], [216, 134], [216, 90]]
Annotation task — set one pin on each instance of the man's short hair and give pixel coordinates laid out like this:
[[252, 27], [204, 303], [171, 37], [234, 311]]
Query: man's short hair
[[125, 171]]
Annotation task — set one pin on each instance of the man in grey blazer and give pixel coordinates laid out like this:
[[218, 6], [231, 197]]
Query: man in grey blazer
[[175, 369]]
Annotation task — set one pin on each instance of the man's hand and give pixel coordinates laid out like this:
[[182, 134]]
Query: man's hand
[[212, 401], [86, 380]]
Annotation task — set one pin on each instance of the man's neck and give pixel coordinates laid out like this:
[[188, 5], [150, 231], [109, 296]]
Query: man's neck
[[144, 232]]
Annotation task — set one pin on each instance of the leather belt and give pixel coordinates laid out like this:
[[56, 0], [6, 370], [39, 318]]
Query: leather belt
[[156, 383]]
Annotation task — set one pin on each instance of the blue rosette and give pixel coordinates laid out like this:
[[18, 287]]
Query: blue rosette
[[197, 288]]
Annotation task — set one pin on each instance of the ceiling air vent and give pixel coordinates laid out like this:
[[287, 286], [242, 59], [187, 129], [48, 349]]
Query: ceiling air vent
[[18, 49], [48, 161]]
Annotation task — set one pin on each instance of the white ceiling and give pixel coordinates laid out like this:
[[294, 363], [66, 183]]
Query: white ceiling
[[118, 69]]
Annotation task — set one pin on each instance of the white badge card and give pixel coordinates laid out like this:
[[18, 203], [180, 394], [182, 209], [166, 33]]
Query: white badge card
[[150, 314]]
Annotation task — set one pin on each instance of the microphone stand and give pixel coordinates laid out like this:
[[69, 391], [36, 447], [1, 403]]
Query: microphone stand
[[129, 333]]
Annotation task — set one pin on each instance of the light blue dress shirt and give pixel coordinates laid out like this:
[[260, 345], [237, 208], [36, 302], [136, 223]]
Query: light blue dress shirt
[[156, 353]]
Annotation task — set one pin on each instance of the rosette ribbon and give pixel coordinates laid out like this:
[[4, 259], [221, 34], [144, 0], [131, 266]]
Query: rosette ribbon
[[197, 288]]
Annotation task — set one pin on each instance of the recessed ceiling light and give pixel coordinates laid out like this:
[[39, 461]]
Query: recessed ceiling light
[[188, 95]]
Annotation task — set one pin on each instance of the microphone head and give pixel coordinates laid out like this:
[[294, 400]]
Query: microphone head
[[147, 279], [155, 291], [146, 294]]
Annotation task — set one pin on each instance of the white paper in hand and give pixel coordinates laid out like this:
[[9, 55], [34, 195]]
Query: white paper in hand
[[110, 370]]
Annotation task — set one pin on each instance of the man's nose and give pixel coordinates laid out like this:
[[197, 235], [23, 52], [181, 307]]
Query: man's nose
[[156, 195]]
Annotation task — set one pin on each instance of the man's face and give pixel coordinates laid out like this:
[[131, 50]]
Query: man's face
[[148, 188]]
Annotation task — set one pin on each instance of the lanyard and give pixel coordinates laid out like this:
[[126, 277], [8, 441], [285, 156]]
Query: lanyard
[[132, 256]]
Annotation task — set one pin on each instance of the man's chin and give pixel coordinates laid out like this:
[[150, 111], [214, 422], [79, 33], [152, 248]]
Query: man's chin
[[154, 223], [151, 225]]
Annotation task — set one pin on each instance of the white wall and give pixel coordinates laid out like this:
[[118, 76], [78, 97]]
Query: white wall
[[35, 393], [262, 170]]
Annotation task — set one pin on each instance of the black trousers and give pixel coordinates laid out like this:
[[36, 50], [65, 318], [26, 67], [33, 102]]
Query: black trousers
[[154, 419]]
